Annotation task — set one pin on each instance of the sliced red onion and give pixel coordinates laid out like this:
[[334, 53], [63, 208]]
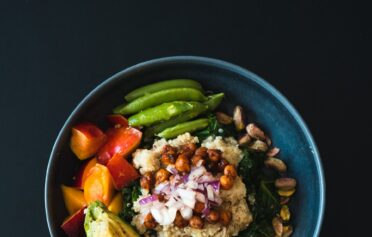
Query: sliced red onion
[[169, 216], [171, 202], [205, 211], [165, 215], [145, 209], [186, 213], [157, 214], [210, 193], [157, 205], [181, 186], [213, 203], [172, 169], [178, 205], [174, 202], [160, 187], [187, 196], [197, 172], [192, 184], [207, 178], [200, 196], [201, 187], [167, 190], [188, 200], [185, 178], [215, 185], [148, 199]]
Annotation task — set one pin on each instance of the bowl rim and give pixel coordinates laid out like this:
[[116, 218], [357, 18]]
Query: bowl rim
[[198, 60]]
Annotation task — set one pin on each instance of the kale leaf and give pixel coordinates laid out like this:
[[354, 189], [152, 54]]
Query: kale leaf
[[130, 194], [260, 182]]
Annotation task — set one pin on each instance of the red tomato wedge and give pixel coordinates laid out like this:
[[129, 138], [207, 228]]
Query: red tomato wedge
[[121, 141], [122, 171], [86, 140], [74, 224], [117, 120]]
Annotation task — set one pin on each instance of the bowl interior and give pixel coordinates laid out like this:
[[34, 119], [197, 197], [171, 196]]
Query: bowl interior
[[263, 104]]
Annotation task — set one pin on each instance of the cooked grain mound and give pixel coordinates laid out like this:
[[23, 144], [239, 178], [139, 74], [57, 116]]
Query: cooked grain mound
[[233, 199]]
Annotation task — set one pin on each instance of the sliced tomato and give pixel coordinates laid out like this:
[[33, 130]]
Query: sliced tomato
[[82, 174], [117, 120], [122, 171], [86, 140], [74, 224], [121, 141], [98, 185]]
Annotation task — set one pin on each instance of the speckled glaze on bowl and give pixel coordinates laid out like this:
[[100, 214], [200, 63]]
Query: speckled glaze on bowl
[[263, 103]]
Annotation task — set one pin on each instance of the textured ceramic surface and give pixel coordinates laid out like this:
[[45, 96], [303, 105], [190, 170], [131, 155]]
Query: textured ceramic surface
[[264, 105]]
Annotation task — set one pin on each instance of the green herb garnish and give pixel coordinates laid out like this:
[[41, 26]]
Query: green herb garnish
[[130, 194], [215, 129]]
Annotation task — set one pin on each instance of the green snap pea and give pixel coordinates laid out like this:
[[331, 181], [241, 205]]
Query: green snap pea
[[213, 101], [176, 83], [190, 126], [161, 112], [169, 95], [198, 109]]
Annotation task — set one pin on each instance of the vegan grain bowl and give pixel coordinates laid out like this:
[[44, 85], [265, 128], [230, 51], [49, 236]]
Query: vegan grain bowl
[[171, 163]]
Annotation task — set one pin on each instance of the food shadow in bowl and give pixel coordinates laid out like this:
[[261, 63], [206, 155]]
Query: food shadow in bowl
[[263, 104]]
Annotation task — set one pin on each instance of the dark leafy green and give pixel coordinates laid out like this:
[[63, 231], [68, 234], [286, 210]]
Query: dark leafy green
[[130, 194], [260, 182], [215, 129]]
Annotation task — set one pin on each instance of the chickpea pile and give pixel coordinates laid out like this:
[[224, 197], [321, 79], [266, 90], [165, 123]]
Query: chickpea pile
[[184, 159]]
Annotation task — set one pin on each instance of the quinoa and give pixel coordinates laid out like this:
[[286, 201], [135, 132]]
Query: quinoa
[[233, 199]]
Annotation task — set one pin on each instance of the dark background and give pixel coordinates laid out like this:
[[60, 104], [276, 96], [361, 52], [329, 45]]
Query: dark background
[[53, 53]]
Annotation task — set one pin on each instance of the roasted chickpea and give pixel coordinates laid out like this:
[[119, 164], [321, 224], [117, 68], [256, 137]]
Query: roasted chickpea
[[199, 207], [169, 149], [147, 180], [179, 221], [196, 222], [213, 216], [212, 167], [188, 149], [230, 170], [201, 151], [196, 158], [225, 217], [161, 197], [226, 182], [222, 164], [161, 176], [167, 159], [149, 221], [214, 155], [182, 163]]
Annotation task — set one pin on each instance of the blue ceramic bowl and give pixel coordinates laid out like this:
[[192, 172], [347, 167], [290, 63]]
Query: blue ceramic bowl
[[263, 103]]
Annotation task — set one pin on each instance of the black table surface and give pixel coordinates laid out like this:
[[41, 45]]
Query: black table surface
[[52, 53]]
